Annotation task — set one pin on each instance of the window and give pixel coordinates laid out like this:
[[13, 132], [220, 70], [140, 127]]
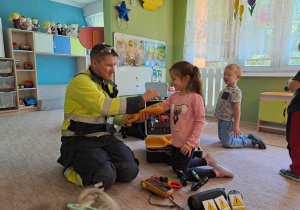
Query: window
[[266, 40], [96, 20]]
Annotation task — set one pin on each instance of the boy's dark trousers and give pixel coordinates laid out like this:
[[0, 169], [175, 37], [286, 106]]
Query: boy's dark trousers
[[293, 139]]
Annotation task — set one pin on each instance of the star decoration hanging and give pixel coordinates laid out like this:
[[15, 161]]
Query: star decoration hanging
[[123, 11]]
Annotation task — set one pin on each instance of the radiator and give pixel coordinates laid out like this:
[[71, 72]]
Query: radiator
[[213, 83]]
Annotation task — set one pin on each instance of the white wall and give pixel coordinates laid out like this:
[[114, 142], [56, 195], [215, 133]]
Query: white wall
[[93, 8], [2, 54]]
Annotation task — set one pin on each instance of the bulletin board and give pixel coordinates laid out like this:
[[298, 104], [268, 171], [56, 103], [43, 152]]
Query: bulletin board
[[140, 60]]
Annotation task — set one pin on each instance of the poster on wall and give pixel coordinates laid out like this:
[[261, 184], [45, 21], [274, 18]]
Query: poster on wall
[[132, 72], [155, 54], [130, 51]]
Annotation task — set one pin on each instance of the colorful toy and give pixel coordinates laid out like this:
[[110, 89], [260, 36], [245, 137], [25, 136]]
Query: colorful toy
[[15, 46], [23, 23], [17, 64], [27, 83], [29, 24], [30, 101], [21, 103], [65, 30], [23, 46], [35, 23], [47, 26], [15, 17], [20, 86], [73, 28], [53, 29], [59, 29], [27, 65]]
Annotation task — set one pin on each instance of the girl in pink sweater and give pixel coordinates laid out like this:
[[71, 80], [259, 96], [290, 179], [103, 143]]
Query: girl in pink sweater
[[187, 121]]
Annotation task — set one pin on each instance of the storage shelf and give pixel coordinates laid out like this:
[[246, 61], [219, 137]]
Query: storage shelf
[[27, 89], [29, 108], [56, 54], [23, 51], [20, 70]]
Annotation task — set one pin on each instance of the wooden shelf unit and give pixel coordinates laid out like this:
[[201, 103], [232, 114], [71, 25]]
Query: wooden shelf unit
[[39, 44], [27, 38]]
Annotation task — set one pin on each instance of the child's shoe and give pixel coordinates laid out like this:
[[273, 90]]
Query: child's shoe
[[257, 141], [211, 160], [222, 171], [289, 174], [73, 177]]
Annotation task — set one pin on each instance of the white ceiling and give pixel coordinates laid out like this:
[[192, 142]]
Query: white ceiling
[[76, 3]]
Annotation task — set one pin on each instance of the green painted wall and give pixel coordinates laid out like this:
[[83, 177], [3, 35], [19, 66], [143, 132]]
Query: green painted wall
[[251, 88], [179, 29], [157, 25]]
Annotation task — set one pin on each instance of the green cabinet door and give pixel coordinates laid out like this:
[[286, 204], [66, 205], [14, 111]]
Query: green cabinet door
[[273, 111], [76, 47]]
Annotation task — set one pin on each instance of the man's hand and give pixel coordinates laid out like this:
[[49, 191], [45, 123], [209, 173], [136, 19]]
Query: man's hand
[[151, 93], [236, 131], [186, 149], [143, 117]]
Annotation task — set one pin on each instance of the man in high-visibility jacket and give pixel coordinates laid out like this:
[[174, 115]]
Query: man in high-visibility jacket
[[90, 153]]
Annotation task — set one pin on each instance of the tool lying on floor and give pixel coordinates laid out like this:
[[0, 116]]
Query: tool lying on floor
[[162, 187]]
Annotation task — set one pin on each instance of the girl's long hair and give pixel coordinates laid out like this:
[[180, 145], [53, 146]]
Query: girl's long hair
[[184, 68]]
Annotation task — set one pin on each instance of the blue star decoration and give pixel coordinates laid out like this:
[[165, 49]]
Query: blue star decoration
[[123, 11]]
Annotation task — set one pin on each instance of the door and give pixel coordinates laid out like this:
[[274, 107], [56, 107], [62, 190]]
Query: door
[[43, 43], [76, 47], [62, 45], [272, 111]]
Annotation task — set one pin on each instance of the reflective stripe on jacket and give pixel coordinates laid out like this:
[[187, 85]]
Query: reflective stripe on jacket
[[88, 106]]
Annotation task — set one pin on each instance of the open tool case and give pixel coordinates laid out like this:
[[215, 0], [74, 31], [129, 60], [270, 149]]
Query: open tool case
[[159, 124], [158, 149]]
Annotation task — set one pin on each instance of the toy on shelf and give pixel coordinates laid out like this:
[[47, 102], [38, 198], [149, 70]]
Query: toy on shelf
[[23, 46], [30, 101], [59, 29], [27, 65], [21, 103], [23, 23], [29, 24], [27, 83], [65, 30], [15, 46], [47, 27], [73, 28], [17, 64], [53, 29], [15, 17], [20, 86], [35, 23]]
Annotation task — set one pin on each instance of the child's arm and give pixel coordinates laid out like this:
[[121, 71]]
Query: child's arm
[[237, 116], [293, 85], [199, 116]]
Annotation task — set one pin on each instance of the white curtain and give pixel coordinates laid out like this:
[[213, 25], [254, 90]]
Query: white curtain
[[292, 28], [96, 20], [209, 30], [261, 33], [212, 33]]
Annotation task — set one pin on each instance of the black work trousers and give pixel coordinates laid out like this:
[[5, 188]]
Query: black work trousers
[[103, 159]]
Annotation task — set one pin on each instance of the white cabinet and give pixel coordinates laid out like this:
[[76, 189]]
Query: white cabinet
[[43, 43]]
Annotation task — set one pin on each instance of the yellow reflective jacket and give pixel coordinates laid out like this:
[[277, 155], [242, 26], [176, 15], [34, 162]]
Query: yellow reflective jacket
[[90, 103]]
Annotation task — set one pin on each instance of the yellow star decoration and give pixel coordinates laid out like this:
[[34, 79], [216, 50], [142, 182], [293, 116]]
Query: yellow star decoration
[[152, 4]]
